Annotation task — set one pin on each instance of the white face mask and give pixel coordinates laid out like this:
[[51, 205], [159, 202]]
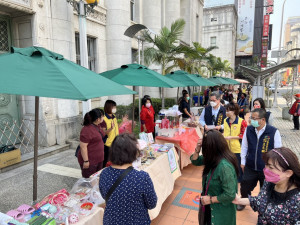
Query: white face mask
[[148, 105], [114, 110], [213, 104]]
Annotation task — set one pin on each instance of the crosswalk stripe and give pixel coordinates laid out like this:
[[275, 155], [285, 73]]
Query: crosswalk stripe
[[60, 170]]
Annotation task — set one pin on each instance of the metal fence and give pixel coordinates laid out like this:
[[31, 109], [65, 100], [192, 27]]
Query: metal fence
[[21, 135]]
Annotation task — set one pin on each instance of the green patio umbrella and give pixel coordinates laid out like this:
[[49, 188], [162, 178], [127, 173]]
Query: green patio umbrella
[[219, 80], [189, 79], [36, 71], [139, 75], [232, 81]]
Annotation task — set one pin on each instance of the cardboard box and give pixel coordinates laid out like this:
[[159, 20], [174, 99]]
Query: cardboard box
[[10, 158]]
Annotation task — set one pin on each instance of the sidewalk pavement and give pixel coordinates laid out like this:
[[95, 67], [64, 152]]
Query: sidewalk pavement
[[290, 138], [174, 210]]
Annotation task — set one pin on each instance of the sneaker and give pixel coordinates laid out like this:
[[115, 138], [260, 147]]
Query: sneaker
[[240, 207]]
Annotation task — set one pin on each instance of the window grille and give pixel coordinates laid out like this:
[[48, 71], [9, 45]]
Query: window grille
[[4, 36]]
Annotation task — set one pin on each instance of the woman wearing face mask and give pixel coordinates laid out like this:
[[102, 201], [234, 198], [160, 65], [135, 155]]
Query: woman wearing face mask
[[110, 126], [185, 106], [91, 154], [234, 128], [279, 199], [147, 116], [259, 103]]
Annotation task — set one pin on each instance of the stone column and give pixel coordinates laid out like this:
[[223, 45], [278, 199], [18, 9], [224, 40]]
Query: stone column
[[118, 45]]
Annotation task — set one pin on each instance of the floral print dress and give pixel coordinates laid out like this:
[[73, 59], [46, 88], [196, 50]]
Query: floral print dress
[[276, 208]]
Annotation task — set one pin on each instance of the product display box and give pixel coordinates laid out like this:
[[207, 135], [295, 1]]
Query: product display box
[[10, 158]]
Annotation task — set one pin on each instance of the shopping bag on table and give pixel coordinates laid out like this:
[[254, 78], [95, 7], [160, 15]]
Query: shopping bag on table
[[126, 127], [165, 123]]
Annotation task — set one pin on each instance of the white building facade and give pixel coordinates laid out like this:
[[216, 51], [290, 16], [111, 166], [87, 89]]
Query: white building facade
[[219, 29], [53, 24]]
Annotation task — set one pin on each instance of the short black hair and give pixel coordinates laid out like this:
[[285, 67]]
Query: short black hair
[[233, 107], [124, 149], [184, 95], [261, 112], [184, 92]]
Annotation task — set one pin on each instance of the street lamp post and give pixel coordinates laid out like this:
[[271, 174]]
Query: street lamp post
[[83, 9], [278, 59]]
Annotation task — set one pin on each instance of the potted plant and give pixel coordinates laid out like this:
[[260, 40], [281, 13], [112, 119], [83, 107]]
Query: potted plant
[[285, 110]]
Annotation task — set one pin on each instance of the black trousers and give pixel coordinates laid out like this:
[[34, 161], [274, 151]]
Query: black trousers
[[296, 122], [249, 182], [106, 154], [240, 177]]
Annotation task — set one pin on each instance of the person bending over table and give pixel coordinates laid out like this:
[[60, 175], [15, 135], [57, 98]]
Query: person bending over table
[[219, 179], [130, 201]]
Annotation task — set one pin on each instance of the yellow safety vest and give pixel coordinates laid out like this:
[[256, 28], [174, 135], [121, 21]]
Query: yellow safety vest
[[113, 133], [234, 130]]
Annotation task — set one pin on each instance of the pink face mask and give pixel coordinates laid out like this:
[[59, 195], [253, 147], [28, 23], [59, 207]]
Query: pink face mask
[[270, 176], [148, 105], [256, 106]]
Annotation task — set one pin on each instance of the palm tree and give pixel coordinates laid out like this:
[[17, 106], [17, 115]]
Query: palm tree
[[165, 48], [194, 60], [215, 65]]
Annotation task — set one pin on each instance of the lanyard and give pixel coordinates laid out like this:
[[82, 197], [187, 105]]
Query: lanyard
[[207, 186]]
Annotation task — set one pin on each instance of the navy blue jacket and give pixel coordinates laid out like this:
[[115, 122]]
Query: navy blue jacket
[[220, 118], [256, 148]]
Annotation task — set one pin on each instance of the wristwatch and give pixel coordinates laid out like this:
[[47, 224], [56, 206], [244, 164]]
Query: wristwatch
[[86, 161]]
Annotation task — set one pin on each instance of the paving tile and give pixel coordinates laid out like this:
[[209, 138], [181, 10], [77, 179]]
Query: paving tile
[[170, 220], [177, 211], [192, 216], [247, 215], [193, 185], [157, 219], [187, 222]]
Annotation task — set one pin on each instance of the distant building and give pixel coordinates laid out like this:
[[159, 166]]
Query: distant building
[[219, 29]]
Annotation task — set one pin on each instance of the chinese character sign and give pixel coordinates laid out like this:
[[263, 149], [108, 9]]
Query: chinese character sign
[[264, 52], [245, 28], [266, 25]]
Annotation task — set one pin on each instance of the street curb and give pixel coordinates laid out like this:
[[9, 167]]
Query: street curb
[[43, 153]]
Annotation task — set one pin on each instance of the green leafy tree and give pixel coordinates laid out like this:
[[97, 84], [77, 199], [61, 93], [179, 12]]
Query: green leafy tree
[[164, 48]]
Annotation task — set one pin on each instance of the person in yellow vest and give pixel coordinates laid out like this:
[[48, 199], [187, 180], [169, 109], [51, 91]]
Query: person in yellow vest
[[234, 128], [110, 126]]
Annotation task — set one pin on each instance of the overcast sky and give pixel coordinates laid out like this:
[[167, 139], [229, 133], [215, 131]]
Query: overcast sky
[[291, 8]]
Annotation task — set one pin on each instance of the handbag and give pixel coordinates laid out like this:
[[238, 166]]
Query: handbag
[[201, 216]]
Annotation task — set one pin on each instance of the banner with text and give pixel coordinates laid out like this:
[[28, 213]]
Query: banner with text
[[245, 29]]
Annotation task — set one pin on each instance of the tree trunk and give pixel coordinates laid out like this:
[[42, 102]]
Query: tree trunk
[[177, 94], [162, 98]]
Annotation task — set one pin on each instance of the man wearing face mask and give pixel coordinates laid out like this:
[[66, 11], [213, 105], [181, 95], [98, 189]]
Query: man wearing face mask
[[185, 106], [258, 139], [214, 114]]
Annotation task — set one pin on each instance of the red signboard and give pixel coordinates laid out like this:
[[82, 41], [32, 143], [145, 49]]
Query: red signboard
[[266, 25], [269, 5], [264, 52]]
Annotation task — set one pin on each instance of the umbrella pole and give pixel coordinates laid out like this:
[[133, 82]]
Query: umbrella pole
[[133, 98], [36, 142]]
